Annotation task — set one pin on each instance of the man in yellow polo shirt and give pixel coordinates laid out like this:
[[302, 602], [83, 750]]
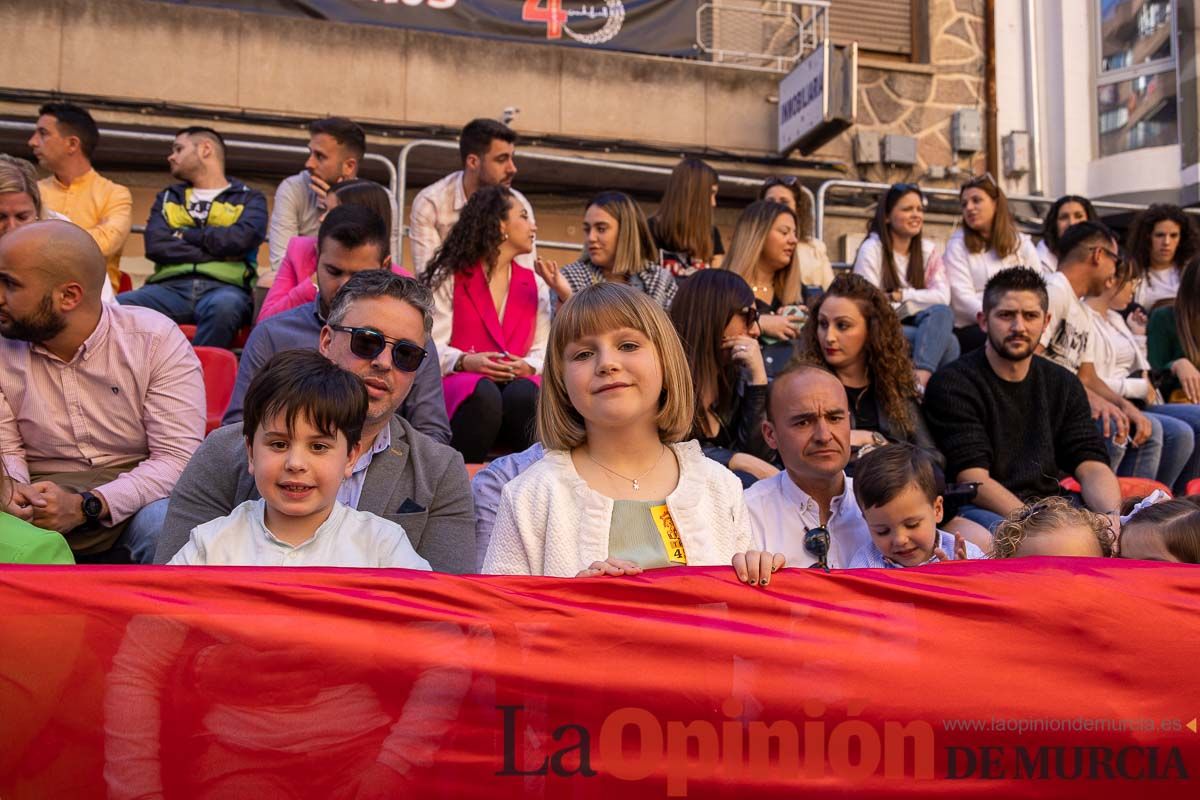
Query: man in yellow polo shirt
[[65, 139]]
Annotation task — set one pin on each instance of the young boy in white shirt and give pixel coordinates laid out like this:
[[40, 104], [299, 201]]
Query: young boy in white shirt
[[896, 488], [302, 424]]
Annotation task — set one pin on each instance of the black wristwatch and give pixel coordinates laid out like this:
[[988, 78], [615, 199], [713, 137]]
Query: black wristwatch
[[92, 509]]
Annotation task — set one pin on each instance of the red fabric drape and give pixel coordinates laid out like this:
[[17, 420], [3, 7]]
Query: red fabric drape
[[1078, 676]]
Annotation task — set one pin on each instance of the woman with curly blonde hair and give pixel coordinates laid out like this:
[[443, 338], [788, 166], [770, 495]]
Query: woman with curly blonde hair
[[853, 331], [1054, 527], [490, 324]]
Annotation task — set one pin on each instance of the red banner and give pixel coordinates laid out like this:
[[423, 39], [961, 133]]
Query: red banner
[[1035, 678]]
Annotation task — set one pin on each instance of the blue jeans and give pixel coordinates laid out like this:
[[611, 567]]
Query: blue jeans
[[1136, 462], [140, 536], [981, 516], [932, 338], [1189, 414], [217, 309]]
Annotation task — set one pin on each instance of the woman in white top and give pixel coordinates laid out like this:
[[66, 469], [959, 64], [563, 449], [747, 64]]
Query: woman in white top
[[909, 270], [987, 243], [617, 491], [1120, 361], [811, 257], [1161, 240], [1067, 210]]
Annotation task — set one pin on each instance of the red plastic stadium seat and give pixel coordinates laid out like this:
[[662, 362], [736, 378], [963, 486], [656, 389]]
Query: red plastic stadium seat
[[239, 341], [124, 283], [474, 469], [1130, 487], [1193, 487], [220, 372]]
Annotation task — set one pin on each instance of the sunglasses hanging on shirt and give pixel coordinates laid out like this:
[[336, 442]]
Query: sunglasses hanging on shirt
[[816, 542]]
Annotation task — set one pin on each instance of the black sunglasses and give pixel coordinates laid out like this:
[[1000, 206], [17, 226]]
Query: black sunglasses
[[367, 343], [1118, 258], [816, 542], [750, 313]]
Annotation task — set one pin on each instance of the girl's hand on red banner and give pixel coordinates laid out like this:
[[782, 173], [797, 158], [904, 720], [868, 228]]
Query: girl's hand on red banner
[[755, 567], [612, 567]]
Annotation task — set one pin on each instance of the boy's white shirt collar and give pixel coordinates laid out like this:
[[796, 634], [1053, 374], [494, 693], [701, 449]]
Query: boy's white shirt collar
[[336, 514]]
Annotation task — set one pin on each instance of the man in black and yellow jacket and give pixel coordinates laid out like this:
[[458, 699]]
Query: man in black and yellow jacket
[[203, 237]]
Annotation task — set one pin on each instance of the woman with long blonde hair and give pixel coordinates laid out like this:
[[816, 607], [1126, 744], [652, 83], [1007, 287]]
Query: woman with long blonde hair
[[811, 256], [762, 251], [683, 225]]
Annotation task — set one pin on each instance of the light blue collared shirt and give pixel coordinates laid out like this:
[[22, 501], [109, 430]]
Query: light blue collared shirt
[[869, 557], [486, 488], [351, 488]]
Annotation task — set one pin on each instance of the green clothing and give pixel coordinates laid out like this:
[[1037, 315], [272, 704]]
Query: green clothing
[[23, 543], [633, 535], [1163, 347]]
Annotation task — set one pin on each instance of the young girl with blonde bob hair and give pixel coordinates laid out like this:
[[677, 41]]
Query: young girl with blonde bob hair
[[617, 492]]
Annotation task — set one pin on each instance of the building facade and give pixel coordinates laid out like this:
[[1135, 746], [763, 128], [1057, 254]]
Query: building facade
[[1107, 93]]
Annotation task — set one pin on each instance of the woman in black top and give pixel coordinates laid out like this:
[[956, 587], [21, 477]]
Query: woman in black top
[[716, 318], [854, 332]]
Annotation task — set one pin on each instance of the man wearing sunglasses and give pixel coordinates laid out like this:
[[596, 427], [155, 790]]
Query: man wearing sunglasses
[[377, 327], [352, 239], [1139, 445], [808, 512]]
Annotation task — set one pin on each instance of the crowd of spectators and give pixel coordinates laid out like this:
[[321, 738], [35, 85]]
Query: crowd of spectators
[[664, 400]]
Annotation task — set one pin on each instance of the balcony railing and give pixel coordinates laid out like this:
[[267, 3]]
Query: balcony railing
[[765, 35]]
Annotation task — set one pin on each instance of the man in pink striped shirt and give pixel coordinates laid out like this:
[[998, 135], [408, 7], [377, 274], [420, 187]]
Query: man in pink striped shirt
[[101, 405]]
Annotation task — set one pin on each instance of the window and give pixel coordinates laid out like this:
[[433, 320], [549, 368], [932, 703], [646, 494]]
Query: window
[[879, 26], [1136, 92]]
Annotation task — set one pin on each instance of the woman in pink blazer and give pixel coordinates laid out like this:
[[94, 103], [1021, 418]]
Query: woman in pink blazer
[[491, 323]]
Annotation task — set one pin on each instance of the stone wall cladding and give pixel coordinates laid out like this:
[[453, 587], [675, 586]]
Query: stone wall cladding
[[919, 100]]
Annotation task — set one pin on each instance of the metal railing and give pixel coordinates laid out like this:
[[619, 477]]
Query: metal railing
[[768, 36], [1037, 200], [529, 154], [234, 144]]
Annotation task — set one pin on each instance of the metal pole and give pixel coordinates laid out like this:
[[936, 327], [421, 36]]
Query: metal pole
[[1032, 86]]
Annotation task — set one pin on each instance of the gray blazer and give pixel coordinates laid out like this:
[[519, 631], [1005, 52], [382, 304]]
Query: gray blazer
[[417, 483]]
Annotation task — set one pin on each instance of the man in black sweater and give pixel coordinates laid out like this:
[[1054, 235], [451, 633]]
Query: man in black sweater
[[1012, 421]]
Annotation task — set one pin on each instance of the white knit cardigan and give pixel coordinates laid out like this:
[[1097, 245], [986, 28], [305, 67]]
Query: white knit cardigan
[[550, 522]]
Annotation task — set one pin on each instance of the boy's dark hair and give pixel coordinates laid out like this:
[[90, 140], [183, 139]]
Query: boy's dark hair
[[887, 471], [347, 133], [74, 120], [304, 382], [354, 226], [1014, 279], [1081, 237], [478, 135], [206, 133]]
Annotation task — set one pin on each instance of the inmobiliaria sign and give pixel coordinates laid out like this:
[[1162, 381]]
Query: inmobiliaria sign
[[1045, 678]]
